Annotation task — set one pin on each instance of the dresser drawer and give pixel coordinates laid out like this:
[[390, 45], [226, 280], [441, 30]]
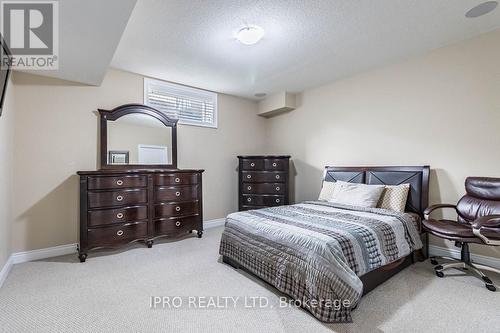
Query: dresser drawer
[[176, 225], [252, 164], [117, 215], [262, 200], [115, 235], [263, 176], [176, 193], [263, 188], [176, 179], [102, 183], [275, 164], [176, 209], [117, 198]]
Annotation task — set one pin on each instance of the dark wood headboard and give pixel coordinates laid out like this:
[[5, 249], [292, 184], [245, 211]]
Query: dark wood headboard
[[416, 176]]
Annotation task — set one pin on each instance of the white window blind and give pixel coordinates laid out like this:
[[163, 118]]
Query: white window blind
[[190, 105]]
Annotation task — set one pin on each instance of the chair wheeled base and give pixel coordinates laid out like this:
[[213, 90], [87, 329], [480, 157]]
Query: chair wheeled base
[[464, 264]]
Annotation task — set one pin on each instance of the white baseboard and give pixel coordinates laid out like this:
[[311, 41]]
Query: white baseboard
[[49, 252], [214, 223], [5, 270], [455, 253]]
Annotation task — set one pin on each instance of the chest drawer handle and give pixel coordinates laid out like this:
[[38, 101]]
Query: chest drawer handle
[[177, 179], [177, 194], [252, 164], [249, 176], [119, 182], [249, 188], [274, 164], [119, 198], [278, 200], [277, 188], [277, 176], [249, 199], [119, 215], [177, 224], [177, 209], [119, 232]]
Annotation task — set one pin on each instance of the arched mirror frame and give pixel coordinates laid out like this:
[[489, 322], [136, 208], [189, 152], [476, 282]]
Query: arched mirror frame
[[116, 113]]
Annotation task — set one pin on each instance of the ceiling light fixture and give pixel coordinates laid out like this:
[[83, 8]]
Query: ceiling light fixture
[[482, 9], [250, 35]]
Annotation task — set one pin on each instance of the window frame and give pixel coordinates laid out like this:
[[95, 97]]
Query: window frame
[[215, 124]]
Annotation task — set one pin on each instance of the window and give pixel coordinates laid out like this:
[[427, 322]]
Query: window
[[190, 105]]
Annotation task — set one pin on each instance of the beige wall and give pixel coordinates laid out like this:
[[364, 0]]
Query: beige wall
[[56, 135], [6, 168], [441, 109]]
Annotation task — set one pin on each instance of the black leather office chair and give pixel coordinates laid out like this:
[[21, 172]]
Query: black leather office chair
[[478, 222]]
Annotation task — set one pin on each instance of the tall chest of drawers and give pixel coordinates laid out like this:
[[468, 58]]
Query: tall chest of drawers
[[263, 181], [120, 207]]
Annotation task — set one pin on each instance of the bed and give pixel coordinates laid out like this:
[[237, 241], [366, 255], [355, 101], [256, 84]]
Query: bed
[[325, 256]]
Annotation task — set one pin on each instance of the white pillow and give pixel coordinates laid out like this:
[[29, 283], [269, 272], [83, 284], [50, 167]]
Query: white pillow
[[394, 197], [354, 194], [326, 191]]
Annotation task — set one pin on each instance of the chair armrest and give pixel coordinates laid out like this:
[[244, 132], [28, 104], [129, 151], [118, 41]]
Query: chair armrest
[[432, 208], [490, 222]]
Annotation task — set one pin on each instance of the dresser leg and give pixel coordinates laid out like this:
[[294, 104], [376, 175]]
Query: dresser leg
[[82, 256], [200, 233], [149, 244]]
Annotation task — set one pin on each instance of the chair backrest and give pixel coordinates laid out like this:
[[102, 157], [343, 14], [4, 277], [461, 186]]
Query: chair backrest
[[482, 199]]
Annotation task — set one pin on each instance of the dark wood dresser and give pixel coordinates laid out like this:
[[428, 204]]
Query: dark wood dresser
[[138, 193], [120, 207], [263, 181]]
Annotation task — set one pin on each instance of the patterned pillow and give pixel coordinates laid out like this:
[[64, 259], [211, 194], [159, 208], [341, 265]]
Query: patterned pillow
[[327, 191], [394, 197]]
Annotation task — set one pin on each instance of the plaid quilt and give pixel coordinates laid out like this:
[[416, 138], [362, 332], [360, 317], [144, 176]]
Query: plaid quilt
[[315, 251]]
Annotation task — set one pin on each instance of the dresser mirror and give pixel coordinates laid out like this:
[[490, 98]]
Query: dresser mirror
[[136, 136]]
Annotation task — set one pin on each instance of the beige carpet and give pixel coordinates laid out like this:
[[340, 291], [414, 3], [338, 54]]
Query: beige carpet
[[112, 293]]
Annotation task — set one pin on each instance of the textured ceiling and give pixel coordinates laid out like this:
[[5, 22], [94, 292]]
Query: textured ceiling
[[307, 43]]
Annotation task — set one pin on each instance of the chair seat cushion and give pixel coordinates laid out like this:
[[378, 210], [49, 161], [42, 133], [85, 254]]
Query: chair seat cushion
[[449, 228]]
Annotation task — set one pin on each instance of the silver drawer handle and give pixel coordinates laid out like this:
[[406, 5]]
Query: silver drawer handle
[[119, 198], [277, 176], [178, 209], [274, 164], [177, 180], [249, 176], [249, 188], [177, 224], [119, 182], [177, 194], [119, 232], [277, 188], [249, 199], [277, 200], [119, 215], [252, 164]]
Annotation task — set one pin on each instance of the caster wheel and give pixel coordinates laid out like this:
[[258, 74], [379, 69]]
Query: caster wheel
[[491, 287], [190, 231], [434, 262], [82, 257], [149, 244], [438, 267], [439, 274], [200, 233]]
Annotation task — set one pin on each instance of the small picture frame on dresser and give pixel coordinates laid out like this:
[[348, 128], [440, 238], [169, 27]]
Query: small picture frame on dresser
[[119, 157], [263, 181]]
